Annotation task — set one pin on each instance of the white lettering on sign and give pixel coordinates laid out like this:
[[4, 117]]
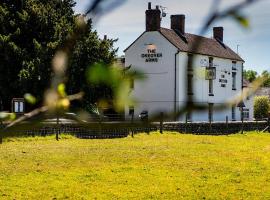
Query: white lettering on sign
[[151, 55]]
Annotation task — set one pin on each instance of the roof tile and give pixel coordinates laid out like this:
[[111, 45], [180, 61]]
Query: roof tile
[[208, 46]]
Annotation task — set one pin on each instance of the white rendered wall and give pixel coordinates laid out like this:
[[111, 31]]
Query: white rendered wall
[[156, 93], [201, 86]]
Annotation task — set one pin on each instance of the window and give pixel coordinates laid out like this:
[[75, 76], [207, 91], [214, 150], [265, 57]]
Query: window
[[211, 62], [211, 87], [245, 113], [189, 86], [234, 80], [190, 57], [210, 112], [233, 113], [188, 117], [131, 110], [233, 65]]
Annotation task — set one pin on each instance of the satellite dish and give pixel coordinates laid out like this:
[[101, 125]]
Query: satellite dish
[[164, 14]]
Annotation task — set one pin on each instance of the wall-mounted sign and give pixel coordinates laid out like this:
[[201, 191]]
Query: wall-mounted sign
[[151, 55], [210, 73], [223, 81], [204, 63]]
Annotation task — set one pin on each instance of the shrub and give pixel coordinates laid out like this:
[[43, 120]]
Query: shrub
[[261, 107]]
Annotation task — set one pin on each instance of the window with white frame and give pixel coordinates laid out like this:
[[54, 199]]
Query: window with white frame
[[234, 80], [210, 112], [245, 113], [233, 113], [189, 86], [189, 117], [233, 65], [211, 63], [210, 87]]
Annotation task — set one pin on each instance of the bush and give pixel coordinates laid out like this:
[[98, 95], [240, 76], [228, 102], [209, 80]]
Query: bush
[[261, 107]]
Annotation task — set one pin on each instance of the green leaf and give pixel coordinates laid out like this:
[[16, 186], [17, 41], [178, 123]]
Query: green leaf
[[62, 90], [241, 19], [30, 98]]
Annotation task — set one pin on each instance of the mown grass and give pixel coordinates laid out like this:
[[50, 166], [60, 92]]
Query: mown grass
[[168, 166]]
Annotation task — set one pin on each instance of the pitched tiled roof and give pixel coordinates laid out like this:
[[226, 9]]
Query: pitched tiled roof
[[264, 91], [208, 46]]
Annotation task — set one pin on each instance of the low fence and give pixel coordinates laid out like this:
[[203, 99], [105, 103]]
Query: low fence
[[109, 130], [214, 128]]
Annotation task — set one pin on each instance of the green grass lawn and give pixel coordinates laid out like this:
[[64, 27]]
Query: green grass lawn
[[168, 166]]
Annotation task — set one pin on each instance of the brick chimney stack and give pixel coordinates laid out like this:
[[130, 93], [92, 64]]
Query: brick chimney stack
[[218, 33], [153, 18], [178, 23]]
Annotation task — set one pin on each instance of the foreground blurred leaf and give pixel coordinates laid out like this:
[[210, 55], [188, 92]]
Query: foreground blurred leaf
[[62, 90], [241, 19], [4, 116], [30, 98], [118, 79]]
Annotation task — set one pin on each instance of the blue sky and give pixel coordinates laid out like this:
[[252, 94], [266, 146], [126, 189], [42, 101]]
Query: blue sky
[[127, 22]]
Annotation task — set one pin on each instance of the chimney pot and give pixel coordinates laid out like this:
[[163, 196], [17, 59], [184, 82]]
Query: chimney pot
[[149, 6], [178, 23], [153, 18], [218, 33]]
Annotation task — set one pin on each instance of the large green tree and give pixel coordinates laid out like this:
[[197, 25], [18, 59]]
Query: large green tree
[[250, 75], [31, 31]]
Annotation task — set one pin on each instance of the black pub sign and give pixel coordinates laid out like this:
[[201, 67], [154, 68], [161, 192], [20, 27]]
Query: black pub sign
[[151, 55]]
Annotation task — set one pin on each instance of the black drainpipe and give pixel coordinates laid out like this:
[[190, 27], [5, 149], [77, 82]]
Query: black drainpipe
[[175, 84]]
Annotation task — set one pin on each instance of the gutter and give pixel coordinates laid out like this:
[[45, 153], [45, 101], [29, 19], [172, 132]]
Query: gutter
[[175, 84]]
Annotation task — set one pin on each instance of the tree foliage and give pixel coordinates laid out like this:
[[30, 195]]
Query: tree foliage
[[261, 107], [31, 32], [250, 75], [266, 77]]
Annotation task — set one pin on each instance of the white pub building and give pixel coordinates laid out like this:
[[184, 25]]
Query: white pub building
[[162, 54]]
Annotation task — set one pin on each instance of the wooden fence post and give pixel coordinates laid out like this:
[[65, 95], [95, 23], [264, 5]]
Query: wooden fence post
[[132, 124], [268, 123], [186, 123], [57, 127], [161, 123], [227, 127]]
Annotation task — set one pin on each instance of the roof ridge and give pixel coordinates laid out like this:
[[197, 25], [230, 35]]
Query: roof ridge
[[209, 46]]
